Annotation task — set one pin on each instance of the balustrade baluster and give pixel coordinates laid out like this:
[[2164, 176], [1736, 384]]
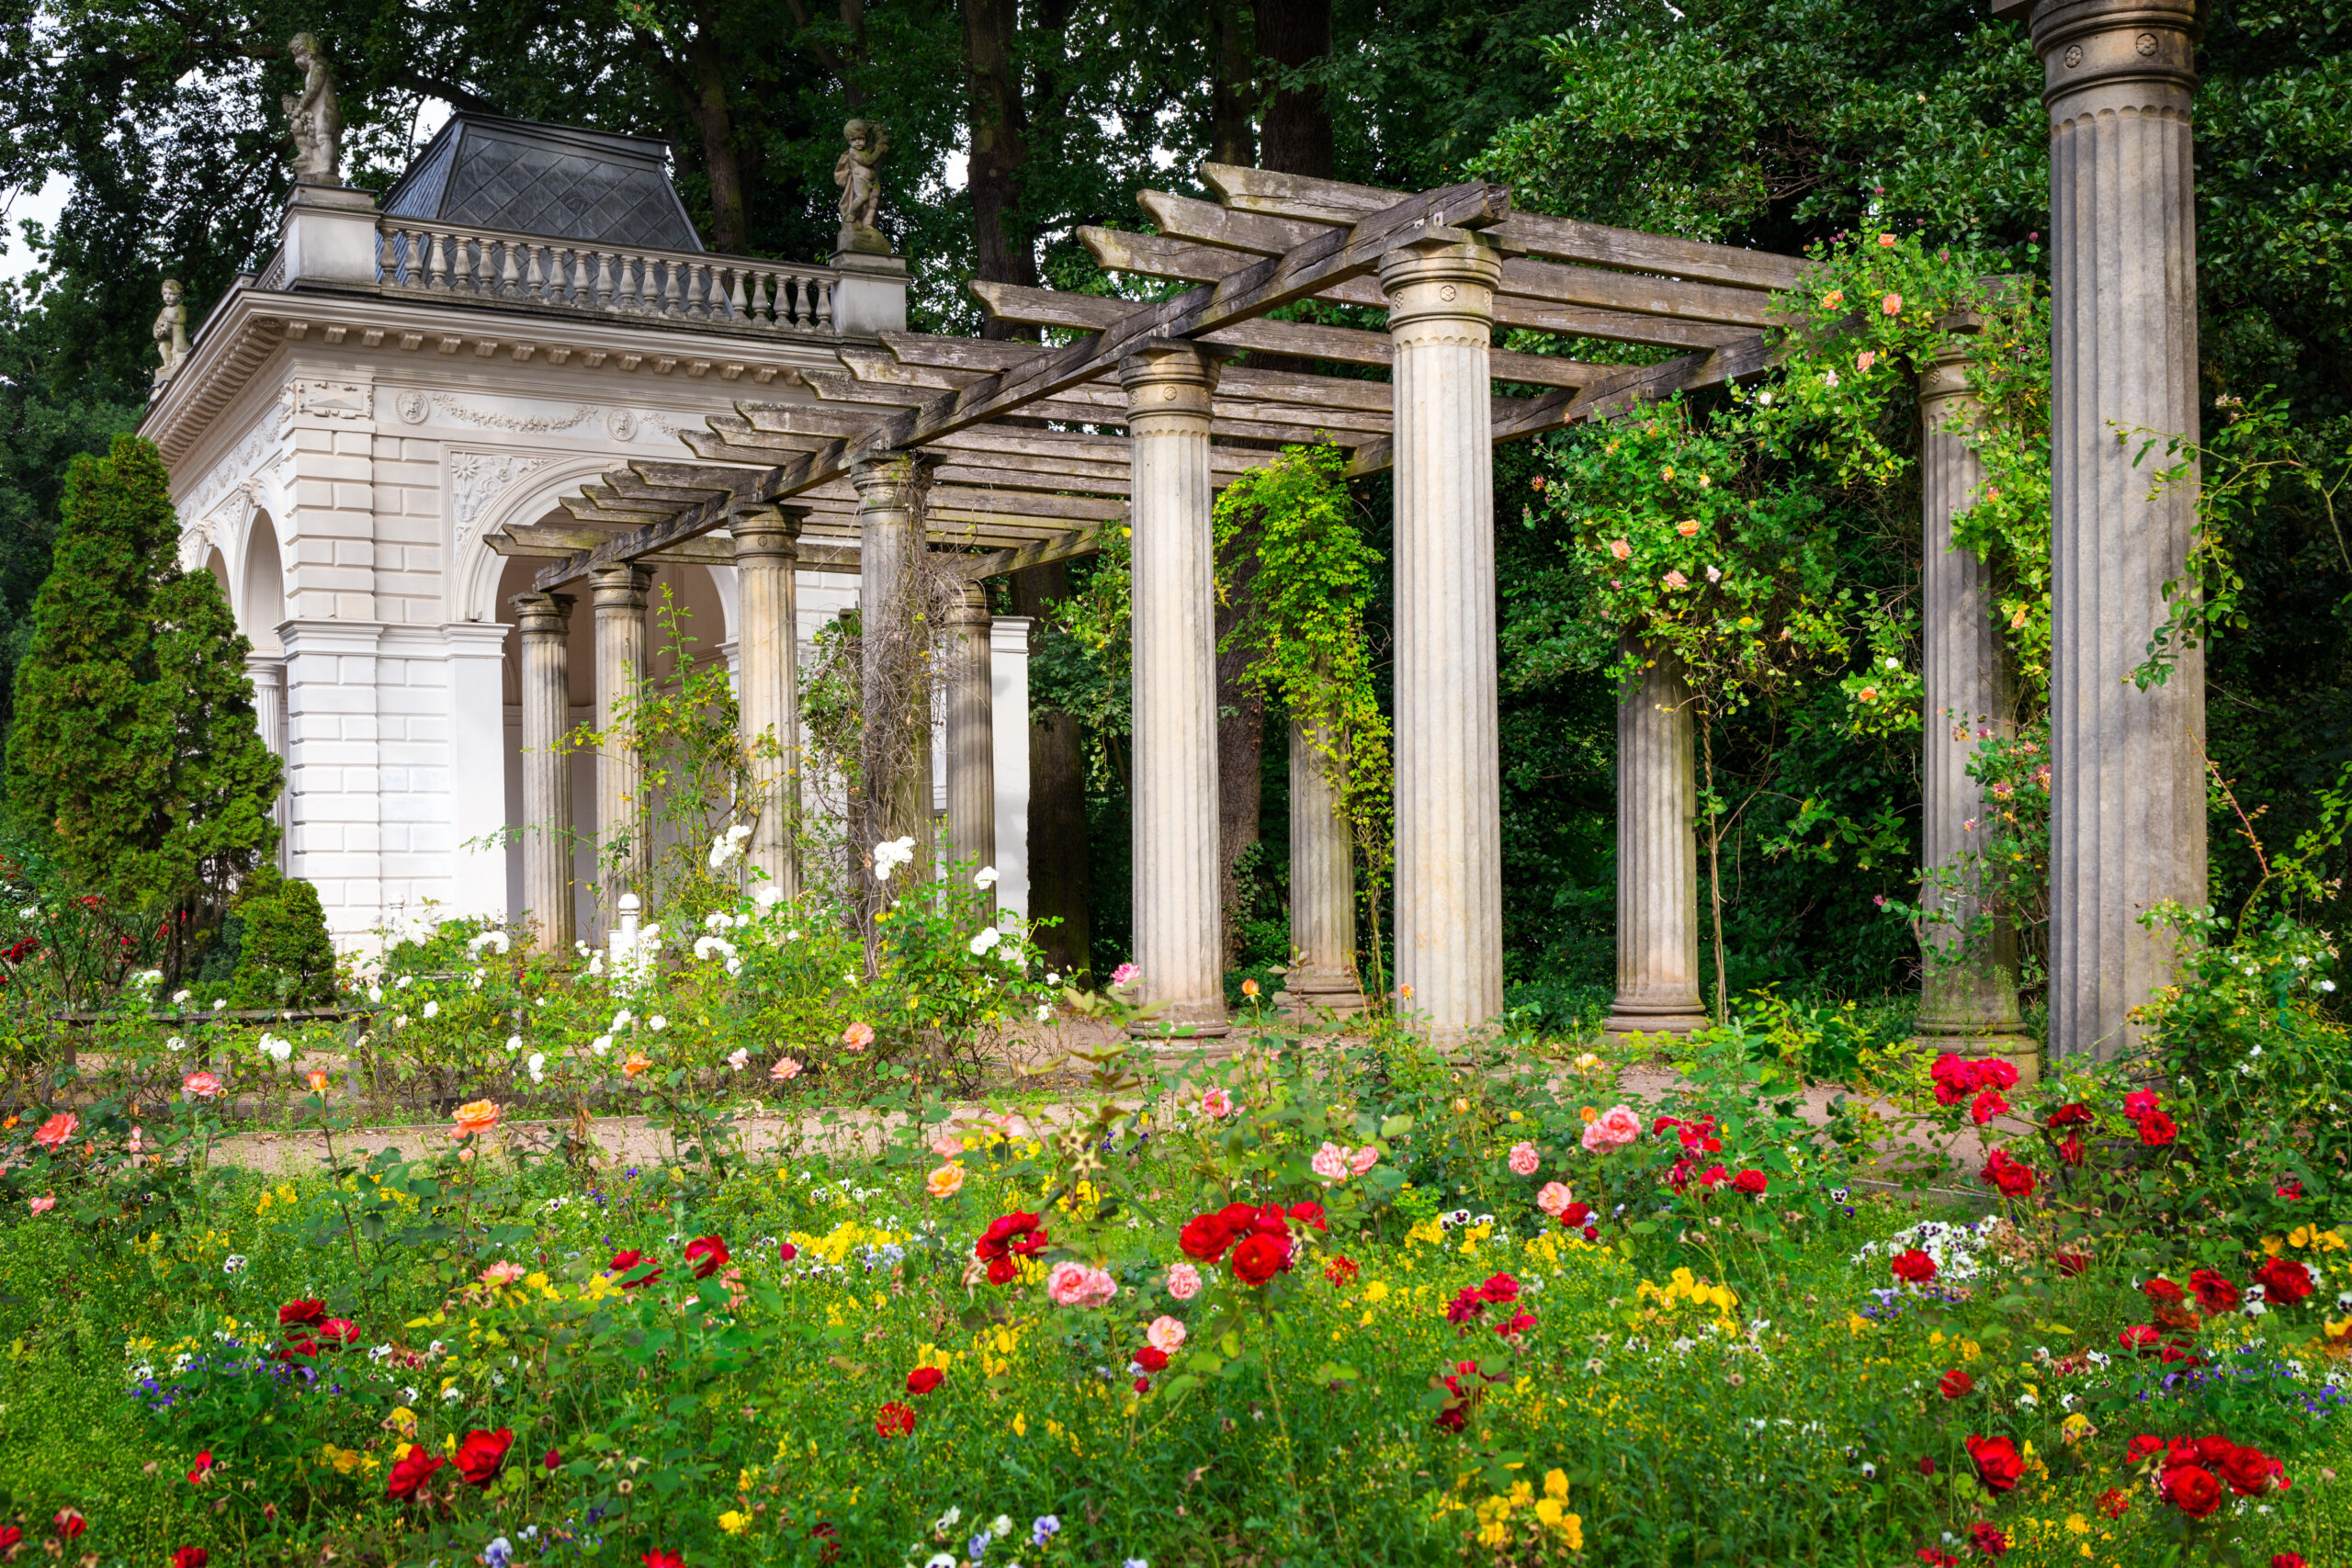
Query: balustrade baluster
[[604, 281], [509, 275], [739, 305], [535, 282], [438, 273], [824, 290]]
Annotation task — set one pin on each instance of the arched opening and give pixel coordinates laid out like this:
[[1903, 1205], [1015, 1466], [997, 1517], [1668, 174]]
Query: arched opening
[[263, 604]]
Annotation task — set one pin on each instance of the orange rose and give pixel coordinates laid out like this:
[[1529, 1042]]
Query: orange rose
[[636, 1065], [476, 1117]]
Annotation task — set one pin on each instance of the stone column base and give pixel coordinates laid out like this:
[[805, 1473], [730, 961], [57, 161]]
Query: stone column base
[[1635, 1018], [1309, 993], [2020, 1051]]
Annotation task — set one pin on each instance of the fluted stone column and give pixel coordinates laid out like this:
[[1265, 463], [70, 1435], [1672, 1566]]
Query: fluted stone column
[[1968, 998], [1174, 685], [971, 732], [267, 672], [1658, 855], [619, 594], [546, 621], [2128, 791], [894, 761], [767, 685], [1449, 779], [1322, 976]]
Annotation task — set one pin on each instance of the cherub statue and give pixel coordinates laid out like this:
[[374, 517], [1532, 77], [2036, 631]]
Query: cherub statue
[[170, 332], [316, 118], [854, 172]]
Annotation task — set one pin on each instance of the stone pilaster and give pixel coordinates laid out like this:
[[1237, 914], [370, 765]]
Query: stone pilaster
[[1174, 801], [1322, 976], [1658, 855], [1968, 998], [767, 686], [1449, 780], [2128, 790], [894, 798], [971, 733], [622, 818], [545, 652]]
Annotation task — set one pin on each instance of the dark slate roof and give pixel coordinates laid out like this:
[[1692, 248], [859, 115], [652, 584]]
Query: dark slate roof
[[555, 180]]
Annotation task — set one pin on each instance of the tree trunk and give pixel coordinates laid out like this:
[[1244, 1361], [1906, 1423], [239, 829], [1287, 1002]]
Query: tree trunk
[[1059, 881], [1233, 138], [1296, 136], [998, 119], [721, 160]]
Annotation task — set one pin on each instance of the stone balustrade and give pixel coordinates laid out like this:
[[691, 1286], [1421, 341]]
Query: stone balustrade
[[439, 260]]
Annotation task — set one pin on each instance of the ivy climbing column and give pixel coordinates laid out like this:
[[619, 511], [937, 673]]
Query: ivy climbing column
[[895, 696], [618, 594], [1657, 854], [546, 653], [1174, 801], [767, 683], [1441, 292], [971, 732], [2128, 786], [1968, 998]]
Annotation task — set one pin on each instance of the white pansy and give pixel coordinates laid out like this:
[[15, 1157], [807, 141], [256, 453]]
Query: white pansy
[[984, 877], [985, 938]]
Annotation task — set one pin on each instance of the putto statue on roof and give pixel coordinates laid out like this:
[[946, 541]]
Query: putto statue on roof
[[861, 184], [315, 118], [171, 331]]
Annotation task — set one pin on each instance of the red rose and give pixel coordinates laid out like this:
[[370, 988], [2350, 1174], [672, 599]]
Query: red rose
[[1152, 1359], [1996, 1073], [2012, 1180], [2146, 1446], [895, 1420], [2141, 1340], [339, 1333], [2114, 1503], [2251, 1473], [2292, 1191], [1466, 1304], [2214, 1292], [1270, 1220], [1204, 1237], [1934, 1558], [922, 1380], [1714, 1176], [1576, 1216], [2193, 1490], [624, 1261], [9, 1536], [1517, 1324], [1309, 1215], [1260, 1258], [1143, 1385], [297, 1312], [553, 1459], [303, 1345], [2177, 1353], [785, 1252], [1751, 1183], [482, 1454], [657, 1558], [2278, 1560], [1010, 1234], [2284, 1280], [190, 1557], [1998, 1464], [1956, 1384], [2070, 1149], [1954, 1077], [70, 1523], [1986, 1106], [2077, 1114], [1341, 1271], [1003, 1270], [2162, 1292], [708, 1254], [1927, 1465], [2139, 1103], [1499, 1288], [2071, 1263], [1914, 1266], [2156, 1130], [1989, 1538], [413, 1470], [203, 1471]]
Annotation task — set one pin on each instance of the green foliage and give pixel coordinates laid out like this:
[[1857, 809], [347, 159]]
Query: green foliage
[[285, 957], [135, 761]]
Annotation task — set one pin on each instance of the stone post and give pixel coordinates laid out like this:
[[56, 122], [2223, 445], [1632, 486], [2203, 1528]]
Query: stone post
[[971, 734], [1968, 998], [767, 685], [1322, 976], [1657, 854], [895, 759], [1449, 782], [1174, 804], [2128, 790], [619, 594], [1008, 676], [546, 621]]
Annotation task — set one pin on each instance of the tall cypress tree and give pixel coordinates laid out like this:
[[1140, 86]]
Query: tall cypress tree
[[135, 759]]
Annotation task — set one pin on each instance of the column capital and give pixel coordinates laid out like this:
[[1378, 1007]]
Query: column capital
[[1446, 274], [542, 613], [620, 587], [1170, 376], [971, 607], [2134, 45], [767, 532], [884, 479]]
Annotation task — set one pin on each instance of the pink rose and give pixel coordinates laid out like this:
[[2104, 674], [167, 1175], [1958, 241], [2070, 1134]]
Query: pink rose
[[42, 1205], [1183, 1281], [1614, 1128], [858, 1035], [202, 1086], [1676, 579], [1363, 1159], [1217, 1103], [1076, 1285], [1329, 1163], [1554, 1199], [54, 1132], [785, 1070], [1892, 305], [1125, 974], [1166, 1334], [1865, 360], [1621, 550], [1524, 1160]]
